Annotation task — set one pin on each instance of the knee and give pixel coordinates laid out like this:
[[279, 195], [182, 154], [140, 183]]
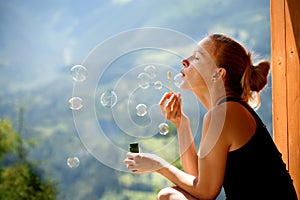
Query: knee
[[165, 193]]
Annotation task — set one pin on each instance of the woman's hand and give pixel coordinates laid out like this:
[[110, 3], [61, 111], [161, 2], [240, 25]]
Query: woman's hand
[[143, 163], [171, 108]]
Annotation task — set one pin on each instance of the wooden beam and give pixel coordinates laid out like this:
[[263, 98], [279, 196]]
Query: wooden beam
[[279, 85], [292, 15], [285, 42]]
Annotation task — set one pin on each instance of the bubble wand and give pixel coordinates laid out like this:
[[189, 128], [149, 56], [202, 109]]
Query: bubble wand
[[170, 82]]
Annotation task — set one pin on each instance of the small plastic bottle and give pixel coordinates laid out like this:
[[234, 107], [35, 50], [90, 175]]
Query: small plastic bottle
[[134, 147]]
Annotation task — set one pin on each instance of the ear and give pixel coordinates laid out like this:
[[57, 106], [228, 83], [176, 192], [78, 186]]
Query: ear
[[222, 72], [219, 73]]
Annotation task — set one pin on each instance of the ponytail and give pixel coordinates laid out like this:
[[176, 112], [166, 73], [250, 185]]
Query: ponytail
[[254, 79]]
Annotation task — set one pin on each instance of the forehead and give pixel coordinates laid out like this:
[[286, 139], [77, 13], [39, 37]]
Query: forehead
[[204, 46]]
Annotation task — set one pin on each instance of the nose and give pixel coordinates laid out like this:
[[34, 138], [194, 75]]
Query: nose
[[185, 63]]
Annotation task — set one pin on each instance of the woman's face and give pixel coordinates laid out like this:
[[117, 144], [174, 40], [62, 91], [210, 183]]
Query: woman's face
[[198, 68]]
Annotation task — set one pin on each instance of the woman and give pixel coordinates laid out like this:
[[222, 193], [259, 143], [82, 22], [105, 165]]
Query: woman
[[236, 150]]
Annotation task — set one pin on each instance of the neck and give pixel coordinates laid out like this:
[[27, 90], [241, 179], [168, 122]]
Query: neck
[[209, 100]]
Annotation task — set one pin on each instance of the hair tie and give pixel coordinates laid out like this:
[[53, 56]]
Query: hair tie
[[252, 68]]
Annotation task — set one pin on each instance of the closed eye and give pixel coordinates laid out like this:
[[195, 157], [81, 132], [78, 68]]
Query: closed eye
[[197, 55]]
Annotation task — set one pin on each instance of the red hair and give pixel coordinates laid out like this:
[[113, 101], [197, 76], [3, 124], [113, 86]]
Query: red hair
[[242, 77]]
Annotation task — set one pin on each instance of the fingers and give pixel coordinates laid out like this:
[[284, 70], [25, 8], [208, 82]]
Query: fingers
[[130, 161], [167, 101], [173, 107], [131, 157], [141, 163], [172, 104], [163, 100], [165, 104]]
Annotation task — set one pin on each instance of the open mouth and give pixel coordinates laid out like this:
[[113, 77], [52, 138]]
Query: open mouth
[[182, 73]]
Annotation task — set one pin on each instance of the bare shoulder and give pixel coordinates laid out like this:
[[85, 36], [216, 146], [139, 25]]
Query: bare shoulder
[[232, 121], [237, 115], [239, 125], [213, 134]]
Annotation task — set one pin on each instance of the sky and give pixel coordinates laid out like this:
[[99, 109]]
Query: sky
[[45, 36]]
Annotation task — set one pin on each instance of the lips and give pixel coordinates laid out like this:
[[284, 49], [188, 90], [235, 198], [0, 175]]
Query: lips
[[182, 73]]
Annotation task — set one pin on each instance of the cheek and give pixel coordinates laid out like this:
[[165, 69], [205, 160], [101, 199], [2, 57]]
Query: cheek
[[194, 77], [196, 73], [200, 79], [202, 72]]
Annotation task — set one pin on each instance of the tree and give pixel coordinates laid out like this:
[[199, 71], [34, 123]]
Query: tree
[[20, 179]]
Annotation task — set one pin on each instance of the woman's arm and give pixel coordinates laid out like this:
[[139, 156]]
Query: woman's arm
[[206, 185], [211, 168], [171, 108], [188, 154]]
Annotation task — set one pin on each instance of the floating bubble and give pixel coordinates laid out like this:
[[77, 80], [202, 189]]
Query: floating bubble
[[141, 110], [75, 103], [108, 99], [151, 70], [158, 85], [178, 80], [144, 80], [73, 162], [163, 128], [79, 73]]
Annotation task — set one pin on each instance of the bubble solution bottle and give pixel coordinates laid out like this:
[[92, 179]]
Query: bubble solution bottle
[[134, 147]]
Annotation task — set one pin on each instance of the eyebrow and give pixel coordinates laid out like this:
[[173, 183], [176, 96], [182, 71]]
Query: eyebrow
[[197, 49], [200, 51]]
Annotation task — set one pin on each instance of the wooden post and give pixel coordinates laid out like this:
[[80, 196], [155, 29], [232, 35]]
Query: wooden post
[[285, 45]]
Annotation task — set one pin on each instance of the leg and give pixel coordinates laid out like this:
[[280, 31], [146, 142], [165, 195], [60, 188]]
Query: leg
[[174, 193]]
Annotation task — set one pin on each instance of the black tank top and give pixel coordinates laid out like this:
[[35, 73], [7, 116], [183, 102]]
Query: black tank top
[[256, 170]]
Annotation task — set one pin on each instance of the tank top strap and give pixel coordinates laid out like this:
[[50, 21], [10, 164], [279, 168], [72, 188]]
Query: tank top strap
[[235, 99], [246, 105]]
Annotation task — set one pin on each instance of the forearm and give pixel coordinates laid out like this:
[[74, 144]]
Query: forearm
[[181, 179], [187, 148]]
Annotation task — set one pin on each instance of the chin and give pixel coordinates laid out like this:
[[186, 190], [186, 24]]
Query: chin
[[185, 86]]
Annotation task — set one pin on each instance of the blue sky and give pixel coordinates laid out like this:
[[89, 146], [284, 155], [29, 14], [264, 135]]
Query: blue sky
[[46, 35]]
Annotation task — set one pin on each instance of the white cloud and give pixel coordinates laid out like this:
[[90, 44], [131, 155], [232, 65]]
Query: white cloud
[[222, 29], [67, 56], [243, 35], [121, 2]]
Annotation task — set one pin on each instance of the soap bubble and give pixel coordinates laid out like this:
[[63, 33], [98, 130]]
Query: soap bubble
[[75, 103], [144, 80], [178, 80], [109, 73], [163, 128], [73, 162], [151, 70], [158, 85], [108, 99], [141, 110], [79, 73]]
